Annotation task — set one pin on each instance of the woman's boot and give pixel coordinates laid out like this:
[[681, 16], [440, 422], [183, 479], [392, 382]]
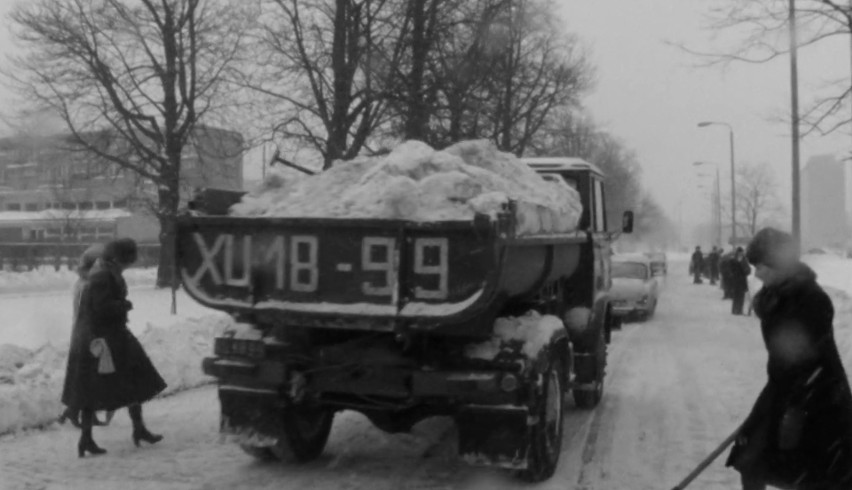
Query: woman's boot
[[140, 432], [87, 443]]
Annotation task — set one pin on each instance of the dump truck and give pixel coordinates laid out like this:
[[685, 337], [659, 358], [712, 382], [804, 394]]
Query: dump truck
[[393, 319]]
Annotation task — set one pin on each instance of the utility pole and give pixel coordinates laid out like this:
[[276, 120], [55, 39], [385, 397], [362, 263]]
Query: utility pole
[[794, 109]]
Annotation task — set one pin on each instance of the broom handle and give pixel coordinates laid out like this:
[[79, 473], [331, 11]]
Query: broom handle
[[709, 459]]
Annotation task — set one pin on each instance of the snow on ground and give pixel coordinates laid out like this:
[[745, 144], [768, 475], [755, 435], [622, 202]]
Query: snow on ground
[[676, 386], [36, 330], [416, 182]]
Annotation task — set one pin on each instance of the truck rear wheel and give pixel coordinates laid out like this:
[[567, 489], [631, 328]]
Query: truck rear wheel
[[546, 434], [594, 374], [306, 431]]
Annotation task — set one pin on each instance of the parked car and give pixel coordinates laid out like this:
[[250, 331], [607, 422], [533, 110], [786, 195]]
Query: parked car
[[634, 291], [658, 263]]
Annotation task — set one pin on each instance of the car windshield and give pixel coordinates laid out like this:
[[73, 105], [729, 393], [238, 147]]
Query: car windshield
[[629, 270]]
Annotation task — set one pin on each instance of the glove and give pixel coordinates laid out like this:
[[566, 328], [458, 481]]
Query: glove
[[128, 305]]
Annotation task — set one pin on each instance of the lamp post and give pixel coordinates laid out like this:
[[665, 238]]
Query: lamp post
[[718, 201], [704, 124]]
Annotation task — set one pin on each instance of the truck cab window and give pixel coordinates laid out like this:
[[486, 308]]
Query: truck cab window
[[600, 210]]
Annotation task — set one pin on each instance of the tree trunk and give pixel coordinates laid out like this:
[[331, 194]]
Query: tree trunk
[[168, 200], [417, 117]]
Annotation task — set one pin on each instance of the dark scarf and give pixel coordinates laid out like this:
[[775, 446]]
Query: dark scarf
[[771, 296]]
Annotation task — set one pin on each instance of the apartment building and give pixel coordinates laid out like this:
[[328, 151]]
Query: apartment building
[[826, 202], [50, 191]]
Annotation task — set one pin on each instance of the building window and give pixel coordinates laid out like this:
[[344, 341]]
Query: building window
[[13, 206], [86, 205], [120, 204], [69, 205], [102, 204], [31, 206], [104, 232]]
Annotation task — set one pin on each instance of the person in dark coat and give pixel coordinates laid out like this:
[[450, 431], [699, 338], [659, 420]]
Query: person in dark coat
[[714, 257], [799, 432], [697, 265], [80, 338], [725, 273], [117, 372], [738, 271]]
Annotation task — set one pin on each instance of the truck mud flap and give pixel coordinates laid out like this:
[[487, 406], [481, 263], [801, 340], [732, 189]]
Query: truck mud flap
[[494, 436], [249, 419]]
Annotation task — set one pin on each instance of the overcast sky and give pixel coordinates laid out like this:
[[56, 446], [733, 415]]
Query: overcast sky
[[651, 95]]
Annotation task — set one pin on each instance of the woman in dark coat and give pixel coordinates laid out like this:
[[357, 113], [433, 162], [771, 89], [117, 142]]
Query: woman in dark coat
[[80, 338], [114, 370], [738, 272], [799, 432]]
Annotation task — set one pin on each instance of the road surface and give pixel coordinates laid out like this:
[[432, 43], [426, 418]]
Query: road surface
[[676, 386]]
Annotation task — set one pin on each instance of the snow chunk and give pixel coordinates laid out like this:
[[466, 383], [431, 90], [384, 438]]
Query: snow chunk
[[416, 182], [532, 329]]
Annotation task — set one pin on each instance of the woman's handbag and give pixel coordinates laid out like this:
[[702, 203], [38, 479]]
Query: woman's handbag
[[100, 349]]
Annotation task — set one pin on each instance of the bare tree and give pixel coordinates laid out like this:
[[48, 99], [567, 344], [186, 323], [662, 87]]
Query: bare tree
[[540, 70], [762, 27], [131, 79], [321, 61], [757, 198]]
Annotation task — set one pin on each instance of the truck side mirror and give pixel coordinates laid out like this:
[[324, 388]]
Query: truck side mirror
[[627, 222]]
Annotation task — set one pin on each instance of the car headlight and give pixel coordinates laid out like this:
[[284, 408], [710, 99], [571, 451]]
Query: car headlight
[[643, 300]]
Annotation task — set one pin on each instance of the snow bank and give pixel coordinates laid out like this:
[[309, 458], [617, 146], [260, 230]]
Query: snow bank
[[31, 381], [416, 182], [532, 329], [47, 278]]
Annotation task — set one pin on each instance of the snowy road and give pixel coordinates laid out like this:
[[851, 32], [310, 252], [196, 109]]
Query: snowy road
[[676, 386]]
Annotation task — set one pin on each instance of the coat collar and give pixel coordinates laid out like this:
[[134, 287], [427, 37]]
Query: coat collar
[[771, 296]]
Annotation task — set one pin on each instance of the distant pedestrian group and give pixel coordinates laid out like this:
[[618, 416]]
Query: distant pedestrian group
[[730, 270]]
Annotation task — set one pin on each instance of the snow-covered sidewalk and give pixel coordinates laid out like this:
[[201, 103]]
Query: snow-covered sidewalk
[[36, 330]]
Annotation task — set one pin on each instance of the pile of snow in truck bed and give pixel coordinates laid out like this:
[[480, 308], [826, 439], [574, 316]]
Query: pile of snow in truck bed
[[415, 182]]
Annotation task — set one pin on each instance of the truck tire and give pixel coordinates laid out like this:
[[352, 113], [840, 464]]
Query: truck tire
[[306, 431], [258, 453], [546, 434], [585, 398]]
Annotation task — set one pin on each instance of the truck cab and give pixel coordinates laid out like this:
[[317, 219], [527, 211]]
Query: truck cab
[[595, 265]]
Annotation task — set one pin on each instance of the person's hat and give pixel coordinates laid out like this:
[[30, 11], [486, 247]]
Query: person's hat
[[773, 248], [122, 251]]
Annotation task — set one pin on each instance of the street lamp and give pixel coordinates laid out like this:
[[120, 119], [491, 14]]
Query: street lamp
[[704, 124], [718, 201]]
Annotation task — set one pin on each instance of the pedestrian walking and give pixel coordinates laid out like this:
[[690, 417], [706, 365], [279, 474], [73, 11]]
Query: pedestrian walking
[[80, 337], [697, 265], [714, 257], [725, 273], [799, 432], [114, 370], [738, 278]]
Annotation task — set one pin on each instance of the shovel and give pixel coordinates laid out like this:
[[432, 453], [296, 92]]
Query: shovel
[[706, 462]]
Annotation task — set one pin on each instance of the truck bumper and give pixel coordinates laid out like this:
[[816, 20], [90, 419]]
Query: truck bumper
[[250, 375]]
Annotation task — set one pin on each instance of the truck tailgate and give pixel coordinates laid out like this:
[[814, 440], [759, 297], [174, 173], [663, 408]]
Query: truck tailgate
[[375, 268]]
